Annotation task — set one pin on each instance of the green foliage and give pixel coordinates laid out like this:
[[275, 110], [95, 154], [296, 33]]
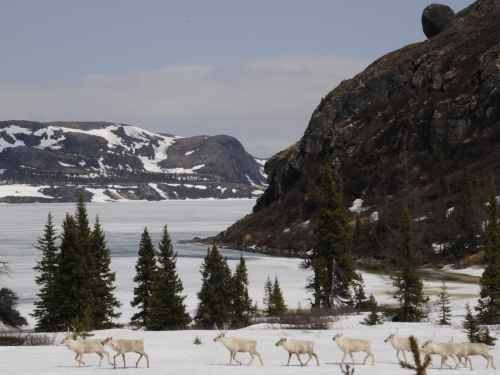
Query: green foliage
[[197, 340], [444, 305], [242, 308], [82, 325], [475, 332], [268, 291], [105, 302], [167, 307], [214, 297], [145, 277], [332, 253], [488, 307], [277, 304], [419, 367], [373, 318], [408, 286], [360, 300], [75, 277], [46, 309]]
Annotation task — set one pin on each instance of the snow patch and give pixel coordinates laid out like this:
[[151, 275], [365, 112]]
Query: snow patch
[[257, 192], [158, 190], [189, 153], [374, 216], [22, 191], [67, 165]]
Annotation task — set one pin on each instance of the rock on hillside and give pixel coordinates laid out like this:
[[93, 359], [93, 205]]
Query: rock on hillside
[[384, 129]]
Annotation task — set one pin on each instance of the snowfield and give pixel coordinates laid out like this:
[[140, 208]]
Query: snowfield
[[174, 352]]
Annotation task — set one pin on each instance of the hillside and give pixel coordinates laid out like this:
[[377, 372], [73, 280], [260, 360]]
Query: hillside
[[67, 158], [384, 133]]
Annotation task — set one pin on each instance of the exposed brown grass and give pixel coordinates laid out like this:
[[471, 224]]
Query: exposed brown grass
[[27, 339], [472, 260]]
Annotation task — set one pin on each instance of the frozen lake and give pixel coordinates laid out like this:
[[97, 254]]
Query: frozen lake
[[124, 223]]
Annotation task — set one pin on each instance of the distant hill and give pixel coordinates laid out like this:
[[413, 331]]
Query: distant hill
[[63, 155]]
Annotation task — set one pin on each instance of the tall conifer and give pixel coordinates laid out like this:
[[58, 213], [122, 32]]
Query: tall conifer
[[268, 291], [145, 277], [105, 302], [242, 308], [408, 286], [277, 301], [444, 305], [68, 259], [46, 309], [168, 310], [488, 307], [332, 253], [214, 297]]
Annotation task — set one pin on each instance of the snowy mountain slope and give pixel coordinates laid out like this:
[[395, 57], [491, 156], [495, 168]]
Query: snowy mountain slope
[[68, 153]]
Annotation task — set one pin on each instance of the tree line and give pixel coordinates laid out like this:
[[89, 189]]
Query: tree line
[[76, 283]]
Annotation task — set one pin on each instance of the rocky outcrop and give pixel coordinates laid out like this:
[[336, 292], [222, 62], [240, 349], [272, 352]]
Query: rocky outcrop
[[435, 17], [383, 130]]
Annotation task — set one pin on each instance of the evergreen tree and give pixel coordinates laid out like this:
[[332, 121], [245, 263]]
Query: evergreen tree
[[46, 309], [65, 288], [277, 304], [268, 291], [444, 305], [84, 325], [214, 297], [409, 287], [10, 316], [145, 277], [168, 310], [105, 302], [373, 318], [242, 309], [489, 304], [475, 332], [332, 253], [360, 300]]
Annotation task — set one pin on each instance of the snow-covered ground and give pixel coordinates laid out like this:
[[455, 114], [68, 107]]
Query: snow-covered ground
[[174, 352]]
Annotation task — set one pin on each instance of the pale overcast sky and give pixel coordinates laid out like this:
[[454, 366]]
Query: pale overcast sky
[[252, 69]]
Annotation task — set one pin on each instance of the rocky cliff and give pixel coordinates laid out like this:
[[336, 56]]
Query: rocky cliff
[[384, 130]]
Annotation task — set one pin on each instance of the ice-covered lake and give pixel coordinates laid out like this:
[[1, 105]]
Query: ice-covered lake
[[124, 223]]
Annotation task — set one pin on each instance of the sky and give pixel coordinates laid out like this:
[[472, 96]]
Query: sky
[[255, 70]]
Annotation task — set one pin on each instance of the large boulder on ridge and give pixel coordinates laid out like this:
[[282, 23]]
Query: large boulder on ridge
[[435, 17]]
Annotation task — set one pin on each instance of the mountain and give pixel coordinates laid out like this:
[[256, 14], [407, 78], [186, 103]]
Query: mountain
[[65, 158], [383, 132]]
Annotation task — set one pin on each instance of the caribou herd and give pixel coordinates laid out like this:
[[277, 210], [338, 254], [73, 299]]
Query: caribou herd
[[457, 351]]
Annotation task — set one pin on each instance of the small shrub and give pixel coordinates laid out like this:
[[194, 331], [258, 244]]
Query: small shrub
[[197, 340]]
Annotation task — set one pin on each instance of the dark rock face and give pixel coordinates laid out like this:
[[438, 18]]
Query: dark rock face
[[220, 155], [395, 117], [435, 17]]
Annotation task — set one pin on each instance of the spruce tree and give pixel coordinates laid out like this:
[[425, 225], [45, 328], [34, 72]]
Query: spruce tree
[[332, 252], [360, 300], [242, 308], [444, 305], [65, 288], [488, 307], [145, 278], [373, 318], [168, 310], [276, 301], [268, 291], [214, 297], [408, 286], [46, 310], [105, 302]]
